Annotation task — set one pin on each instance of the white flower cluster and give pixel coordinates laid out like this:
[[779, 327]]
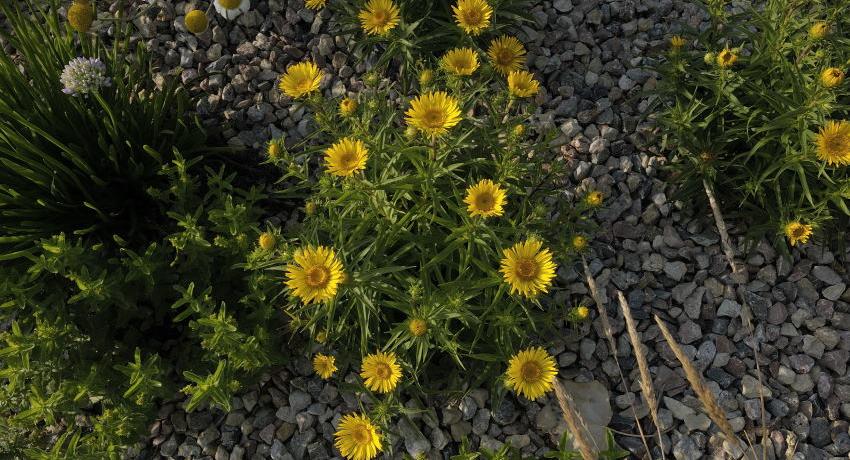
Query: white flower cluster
[[83, 76]]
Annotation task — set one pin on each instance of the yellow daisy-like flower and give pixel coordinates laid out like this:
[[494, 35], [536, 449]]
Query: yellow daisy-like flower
[[833, 143], [831, 77], [324, 365], [357, 438], [426, 76], [581, 313], [80, 15], [417, 327], [274, 150], [473, 16], [266, 241], [579, 243], [347, 106], [460, 61], [528, 268], [196, 21], [380, 372], [677, 42], [532, 372], [593, 199], [315, 274], [433, 112], [506, 54], [301, 79], [485, 199], [797, 232], [346, 156], [315, 4], [522, 84], [818, 30], [726, 58], [379, 17]]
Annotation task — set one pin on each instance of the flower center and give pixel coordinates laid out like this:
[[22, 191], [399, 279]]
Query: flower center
[[526, 269], [361, 435], [485, 201], [433, 118], [383, 371], [348, 160], [798, 231], [229, 4], [380, 16], [838, 145], [318, 277], [504, 57], [530, 372], [473, 17]]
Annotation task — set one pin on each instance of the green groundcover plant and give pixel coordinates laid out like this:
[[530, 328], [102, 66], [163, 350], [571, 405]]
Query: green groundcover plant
[[757, 106], [130, 254]]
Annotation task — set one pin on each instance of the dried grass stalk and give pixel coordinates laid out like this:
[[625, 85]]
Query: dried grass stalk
[[643, 367], [612, 345], [725, 242], [705, 396], [574, 422]]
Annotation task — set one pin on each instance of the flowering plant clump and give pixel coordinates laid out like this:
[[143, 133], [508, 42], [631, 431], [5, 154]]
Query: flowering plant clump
[[756, 108], [435, 224]]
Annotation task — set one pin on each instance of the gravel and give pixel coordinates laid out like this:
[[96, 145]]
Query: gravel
[[591, 56]]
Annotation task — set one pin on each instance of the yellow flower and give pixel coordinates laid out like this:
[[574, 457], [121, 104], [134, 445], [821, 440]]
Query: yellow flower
[[677, 41], [196, 21], [379, 17], [833, 143], [580, 313], [485, 199], [818, 30], [460, 61], [709, 57], [433, 112], [321, 336], [301, 79], [426, 76], [274, 149], [726, 58], [80, 15], [798, 232], [473, 16], [417, 327], [380, 372], [310, 208], [346, 156], [324, 365], [532, 372], [831, 77], [506, 54], [518, 130], [357, 438], [347, 106], [266, 241], [522, 84], [315, 274], [593, 199], [315, 4], [579, 243], [528, 268]]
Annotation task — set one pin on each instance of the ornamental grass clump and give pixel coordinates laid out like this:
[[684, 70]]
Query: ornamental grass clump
[[755, 110]]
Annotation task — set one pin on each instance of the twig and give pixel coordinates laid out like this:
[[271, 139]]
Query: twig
[[721, 227]]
